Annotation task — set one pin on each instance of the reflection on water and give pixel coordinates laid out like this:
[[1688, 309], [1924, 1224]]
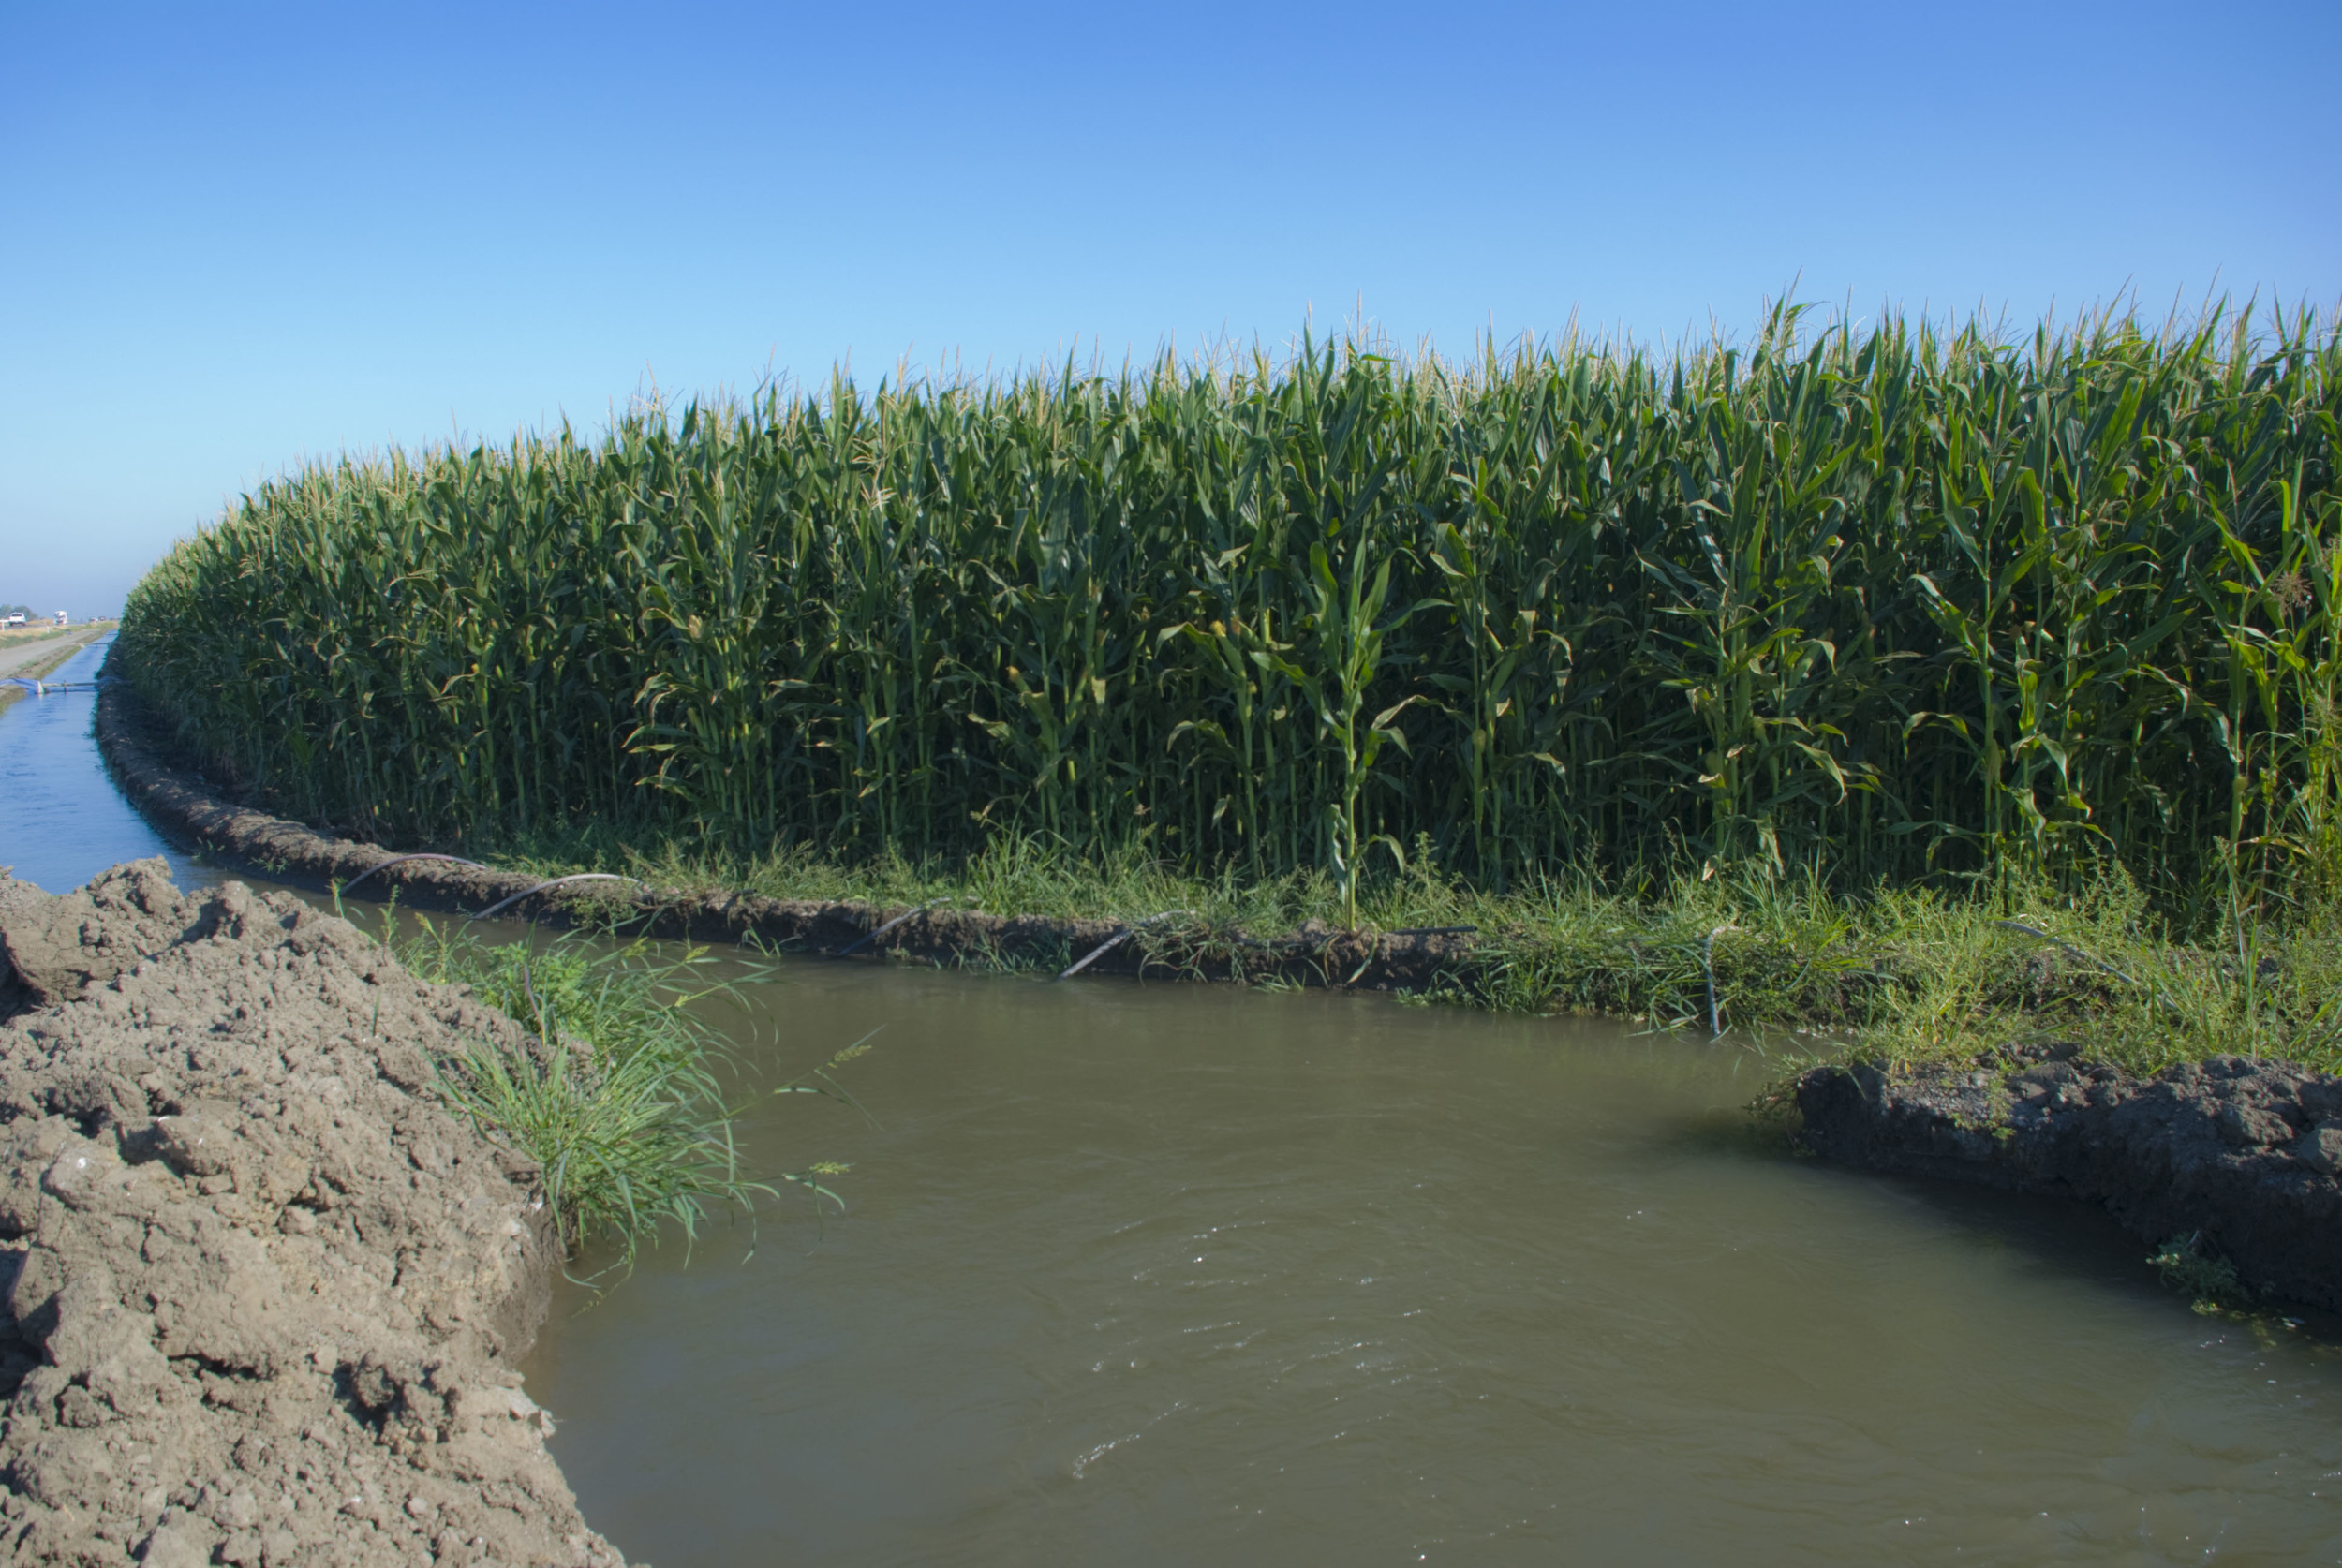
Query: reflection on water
[[62, 821], [1181, 1275]]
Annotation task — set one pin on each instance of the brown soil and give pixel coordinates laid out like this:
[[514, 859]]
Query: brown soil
[[2240, 1157], [261, 1295]]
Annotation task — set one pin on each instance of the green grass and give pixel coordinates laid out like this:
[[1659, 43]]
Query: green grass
[[623, 1096], [1911, 974], [1889, 605]]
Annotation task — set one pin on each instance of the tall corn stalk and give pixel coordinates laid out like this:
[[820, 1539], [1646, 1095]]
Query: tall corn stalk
[[1904, 602]]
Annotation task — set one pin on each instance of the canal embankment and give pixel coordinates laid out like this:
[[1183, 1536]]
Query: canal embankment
[[265, 1291], [2229, 1166], [186, 804]]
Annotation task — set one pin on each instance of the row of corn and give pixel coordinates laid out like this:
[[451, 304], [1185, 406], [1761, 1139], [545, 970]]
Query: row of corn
[[1889, 602]]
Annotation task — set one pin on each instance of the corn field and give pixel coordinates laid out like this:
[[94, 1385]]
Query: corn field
[[1892, 603]]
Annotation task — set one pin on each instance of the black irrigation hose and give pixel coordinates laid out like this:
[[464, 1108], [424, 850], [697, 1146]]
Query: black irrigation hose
[[1375, 949], [386, 865], [2037, 931], [578, 876], [869, 937], [1116, 940]]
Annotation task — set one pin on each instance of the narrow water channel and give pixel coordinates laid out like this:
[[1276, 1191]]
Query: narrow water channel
[[1174, 1275], [61, 820]]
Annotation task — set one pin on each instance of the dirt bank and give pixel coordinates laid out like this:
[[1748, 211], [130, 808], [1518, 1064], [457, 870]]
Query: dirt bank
[[2244, 1154], [195, 809], [262, 1295]]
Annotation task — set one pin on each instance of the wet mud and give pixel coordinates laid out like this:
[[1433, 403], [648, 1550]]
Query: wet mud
[[2237, 1158], [262, 1297]]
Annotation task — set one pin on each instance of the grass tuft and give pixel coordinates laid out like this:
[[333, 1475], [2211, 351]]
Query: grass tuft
[[618, 1094]]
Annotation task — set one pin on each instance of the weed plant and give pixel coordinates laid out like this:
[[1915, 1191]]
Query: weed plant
[[2189, 1266], [618, 1093]]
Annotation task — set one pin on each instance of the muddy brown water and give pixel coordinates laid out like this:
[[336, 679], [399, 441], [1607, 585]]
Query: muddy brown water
[[1171, 1274], [1174, 1274]]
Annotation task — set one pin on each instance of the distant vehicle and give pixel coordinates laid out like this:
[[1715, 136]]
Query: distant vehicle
[[61, 618], [17, 619]]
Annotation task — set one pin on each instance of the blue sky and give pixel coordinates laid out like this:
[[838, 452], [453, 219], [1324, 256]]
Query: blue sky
[[232, 236]]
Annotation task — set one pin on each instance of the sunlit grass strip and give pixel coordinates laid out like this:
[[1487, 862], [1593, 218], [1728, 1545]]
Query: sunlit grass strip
[[1910, 974], [1890, 603]]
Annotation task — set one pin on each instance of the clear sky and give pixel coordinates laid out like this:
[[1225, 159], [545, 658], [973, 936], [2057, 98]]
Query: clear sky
[[232, 236]]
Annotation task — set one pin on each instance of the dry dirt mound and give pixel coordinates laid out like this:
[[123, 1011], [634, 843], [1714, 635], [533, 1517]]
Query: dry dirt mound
[[262, 1294]]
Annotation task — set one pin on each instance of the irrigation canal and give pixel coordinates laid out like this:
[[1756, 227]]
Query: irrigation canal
[[1174, 1274], [61, 820]]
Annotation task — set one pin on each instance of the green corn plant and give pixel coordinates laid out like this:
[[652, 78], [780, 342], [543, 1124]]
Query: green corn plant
[[1913, 602]]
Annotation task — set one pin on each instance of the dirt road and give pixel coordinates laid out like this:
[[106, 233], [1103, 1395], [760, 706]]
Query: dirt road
[[15, 658]]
